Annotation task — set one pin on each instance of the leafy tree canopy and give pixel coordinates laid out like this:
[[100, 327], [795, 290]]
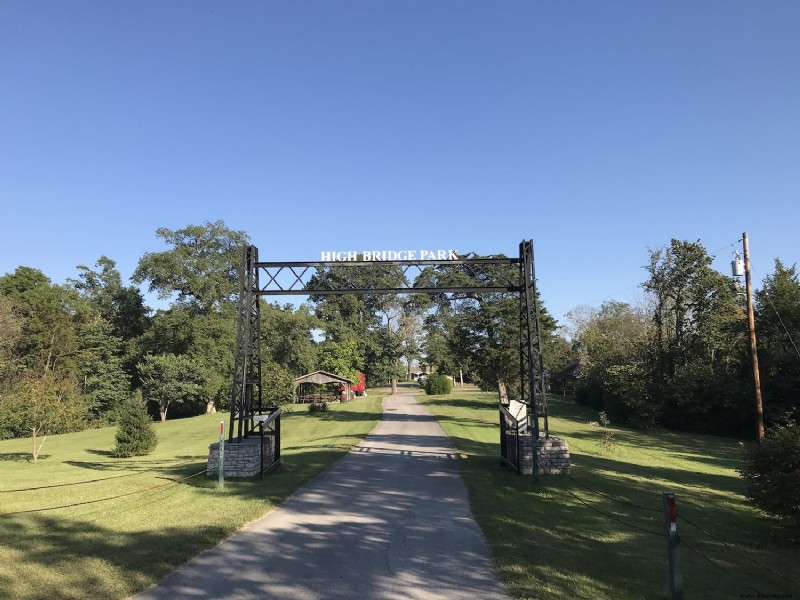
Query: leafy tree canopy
[[202, 267]]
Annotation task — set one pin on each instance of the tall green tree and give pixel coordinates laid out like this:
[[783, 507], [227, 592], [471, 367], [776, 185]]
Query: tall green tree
[[286, 337], [482, 329], [10, 333], [104, 382], [698, 340], [49, 333], [341, 358], [614, 343], [201, 268], [169, 380], [778, 334], [367, 320], [122, 306]]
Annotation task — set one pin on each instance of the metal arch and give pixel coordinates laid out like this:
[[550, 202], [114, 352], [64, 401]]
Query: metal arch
[[247, 397]]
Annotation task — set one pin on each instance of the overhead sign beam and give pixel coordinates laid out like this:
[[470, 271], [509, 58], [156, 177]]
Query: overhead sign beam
[[297, 278]]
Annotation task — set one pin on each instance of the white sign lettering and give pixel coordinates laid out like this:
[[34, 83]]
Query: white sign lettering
[[388, 255]]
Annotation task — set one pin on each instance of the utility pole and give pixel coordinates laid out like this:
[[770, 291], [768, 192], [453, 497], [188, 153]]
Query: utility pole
[[751, 322]]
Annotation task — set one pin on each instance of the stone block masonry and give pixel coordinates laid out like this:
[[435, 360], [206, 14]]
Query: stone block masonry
[[553, 455], [242, 459]]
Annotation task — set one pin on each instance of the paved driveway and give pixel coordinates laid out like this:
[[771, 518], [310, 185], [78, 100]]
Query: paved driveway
[[389, 521]]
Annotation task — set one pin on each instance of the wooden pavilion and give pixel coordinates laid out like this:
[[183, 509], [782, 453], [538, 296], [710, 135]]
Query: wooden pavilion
[[311, 381]]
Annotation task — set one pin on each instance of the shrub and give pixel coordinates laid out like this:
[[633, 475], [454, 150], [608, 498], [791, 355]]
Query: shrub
[[438, 384], [136, 435], [318, 407], [773, 472]]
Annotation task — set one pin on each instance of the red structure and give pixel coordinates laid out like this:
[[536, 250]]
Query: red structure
[[359, 387]]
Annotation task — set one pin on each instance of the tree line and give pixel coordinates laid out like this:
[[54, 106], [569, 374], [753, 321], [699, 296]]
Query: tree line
[[71, 354], [681, 359]]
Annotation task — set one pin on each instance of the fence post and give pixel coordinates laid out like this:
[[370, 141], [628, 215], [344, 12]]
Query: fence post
[[671, 527], [221, 455]]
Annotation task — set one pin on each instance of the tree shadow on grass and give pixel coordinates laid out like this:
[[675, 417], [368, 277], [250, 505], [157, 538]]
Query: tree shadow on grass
[[70, 551], [603, 525], [20, 456], [107, 453]]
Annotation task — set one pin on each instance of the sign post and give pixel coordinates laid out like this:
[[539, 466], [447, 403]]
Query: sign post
[[222, 455], [671, 525]]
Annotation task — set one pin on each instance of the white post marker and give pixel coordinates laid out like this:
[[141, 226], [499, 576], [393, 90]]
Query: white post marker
[[221, 454]]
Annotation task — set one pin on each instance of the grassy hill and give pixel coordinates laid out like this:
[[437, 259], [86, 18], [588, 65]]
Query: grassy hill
[[598, 533], [126, 523]]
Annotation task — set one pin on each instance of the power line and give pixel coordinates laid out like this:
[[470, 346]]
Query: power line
[[720, 567], [780, 319], [36, 510], [605, 514], [105, 512], [599, 493], [59, 485], [735, 550]]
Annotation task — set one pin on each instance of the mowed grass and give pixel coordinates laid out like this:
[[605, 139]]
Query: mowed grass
[[113, 548], [596, 534]]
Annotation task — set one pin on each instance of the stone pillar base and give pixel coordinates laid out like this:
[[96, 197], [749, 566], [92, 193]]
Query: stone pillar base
[[553, 456], [242, 459]]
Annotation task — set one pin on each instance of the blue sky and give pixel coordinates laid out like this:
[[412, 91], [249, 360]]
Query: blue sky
[[598, 129]]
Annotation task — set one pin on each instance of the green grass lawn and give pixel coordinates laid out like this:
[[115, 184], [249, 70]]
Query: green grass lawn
[[593, 535], [111, 549]]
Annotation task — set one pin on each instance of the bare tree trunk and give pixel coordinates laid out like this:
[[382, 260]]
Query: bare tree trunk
[[502, 392], [49, 356], [394, 385], [37, 450], [163, 414]]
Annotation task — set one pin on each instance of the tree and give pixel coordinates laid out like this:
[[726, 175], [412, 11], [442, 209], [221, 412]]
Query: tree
[[169, 379], [482, 329], [136, 435], [614, 343], [696, 309], [409, 330], [773, 474], [207, 338], [10, 333], [202, 267], [368, 320], [46, 312], [286, 337], [42, 404], [437, 345], [341, 358], [123, 307], [104, 382], [278, 385], [698, 342], [778, 333]]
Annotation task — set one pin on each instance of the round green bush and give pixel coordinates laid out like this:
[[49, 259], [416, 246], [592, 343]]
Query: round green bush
[[773, 473], [438, 384], [136, 435]]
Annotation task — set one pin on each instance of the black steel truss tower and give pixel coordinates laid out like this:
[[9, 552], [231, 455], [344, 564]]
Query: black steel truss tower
[[531, 359]]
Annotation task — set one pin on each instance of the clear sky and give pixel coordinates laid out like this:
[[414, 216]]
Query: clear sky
[[598, 129]]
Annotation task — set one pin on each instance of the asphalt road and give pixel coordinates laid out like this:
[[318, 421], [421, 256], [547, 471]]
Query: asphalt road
[[389, 521]]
